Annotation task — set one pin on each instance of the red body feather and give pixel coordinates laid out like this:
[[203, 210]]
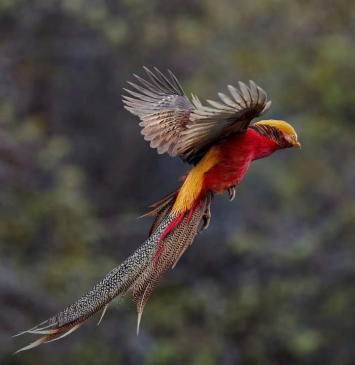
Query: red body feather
[[234, 157], [236, 154]]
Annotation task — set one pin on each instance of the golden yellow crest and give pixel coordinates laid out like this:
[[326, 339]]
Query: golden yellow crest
[[281, 125]]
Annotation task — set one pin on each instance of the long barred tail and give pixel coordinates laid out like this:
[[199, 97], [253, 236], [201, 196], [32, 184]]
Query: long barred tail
[[170, 236]]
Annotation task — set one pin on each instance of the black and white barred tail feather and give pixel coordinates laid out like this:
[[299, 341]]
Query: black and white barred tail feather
[[117, 282], [140, 273]]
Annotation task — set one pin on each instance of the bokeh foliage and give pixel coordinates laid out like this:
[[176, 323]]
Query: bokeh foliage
[[272, 280]]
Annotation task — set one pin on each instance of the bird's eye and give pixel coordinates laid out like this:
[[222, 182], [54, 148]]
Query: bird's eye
[[293, 136]]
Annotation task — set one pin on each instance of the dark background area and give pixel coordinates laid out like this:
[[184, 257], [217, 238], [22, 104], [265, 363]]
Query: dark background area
[[272, 280]]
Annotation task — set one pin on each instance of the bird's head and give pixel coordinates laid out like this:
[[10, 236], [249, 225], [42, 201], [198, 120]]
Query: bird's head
[[281, 132]]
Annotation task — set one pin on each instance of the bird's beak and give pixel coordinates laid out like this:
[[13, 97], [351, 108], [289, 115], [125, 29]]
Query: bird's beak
[[298, 145]]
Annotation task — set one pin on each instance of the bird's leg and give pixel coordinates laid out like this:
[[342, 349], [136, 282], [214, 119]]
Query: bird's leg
[[231, 192], [206, 219]]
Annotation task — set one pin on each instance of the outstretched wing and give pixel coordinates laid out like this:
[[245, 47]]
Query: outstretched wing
[[174, 124], [163, 108], [209, 125]]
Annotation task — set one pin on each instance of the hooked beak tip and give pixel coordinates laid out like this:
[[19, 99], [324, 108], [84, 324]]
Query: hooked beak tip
[[298, 145]]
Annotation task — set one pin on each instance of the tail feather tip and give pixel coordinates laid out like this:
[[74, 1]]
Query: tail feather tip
[[32, 345], [139, 321]]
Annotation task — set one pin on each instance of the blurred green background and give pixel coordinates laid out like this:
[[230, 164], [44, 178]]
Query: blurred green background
[[272, 281]]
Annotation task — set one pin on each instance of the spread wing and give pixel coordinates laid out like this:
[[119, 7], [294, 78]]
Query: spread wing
[[174, 124], [163, 108]]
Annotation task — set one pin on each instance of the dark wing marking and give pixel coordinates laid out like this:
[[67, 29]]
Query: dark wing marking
[[174, 124]]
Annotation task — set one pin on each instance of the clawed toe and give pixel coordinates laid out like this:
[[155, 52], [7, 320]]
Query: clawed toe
[[231, 192], [206, 220]]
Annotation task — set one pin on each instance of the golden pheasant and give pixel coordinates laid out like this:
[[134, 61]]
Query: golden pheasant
[[220, 143]]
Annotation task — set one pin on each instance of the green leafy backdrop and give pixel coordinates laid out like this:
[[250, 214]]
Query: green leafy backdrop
[[272, 280]]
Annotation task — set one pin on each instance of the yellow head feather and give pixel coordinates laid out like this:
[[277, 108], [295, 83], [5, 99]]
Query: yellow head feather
[[281, 125]]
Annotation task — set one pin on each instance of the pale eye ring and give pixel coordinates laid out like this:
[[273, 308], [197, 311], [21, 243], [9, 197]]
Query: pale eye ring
[[293, 136]]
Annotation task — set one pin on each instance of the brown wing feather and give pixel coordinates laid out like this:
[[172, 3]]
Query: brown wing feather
[[233, 116], [163, 108], [174, 124]]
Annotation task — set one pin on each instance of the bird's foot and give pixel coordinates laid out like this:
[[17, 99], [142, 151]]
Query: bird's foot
[[206, 220], [231, 192]]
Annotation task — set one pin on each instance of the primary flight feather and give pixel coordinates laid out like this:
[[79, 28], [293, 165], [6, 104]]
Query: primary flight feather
[[219, 141]]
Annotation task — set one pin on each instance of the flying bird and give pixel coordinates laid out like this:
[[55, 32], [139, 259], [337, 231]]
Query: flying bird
[[220, 143]]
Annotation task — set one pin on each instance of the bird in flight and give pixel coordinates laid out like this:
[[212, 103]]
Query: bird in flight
[[220, 143]]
